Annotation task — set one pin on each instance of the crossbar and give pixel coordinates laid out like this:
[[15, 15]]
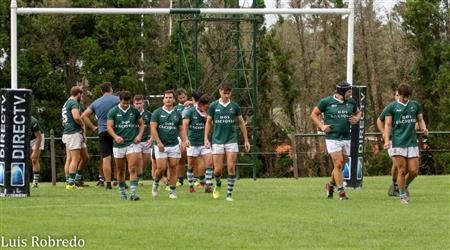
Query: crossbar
[[141, 11]]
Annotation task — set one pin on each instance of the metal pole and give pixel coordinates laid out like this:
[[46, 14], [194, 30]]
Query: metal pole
[[53, 156], [13, 44], [196, 78], [350, 31], [170, 21], [254, 82], [294, 155]]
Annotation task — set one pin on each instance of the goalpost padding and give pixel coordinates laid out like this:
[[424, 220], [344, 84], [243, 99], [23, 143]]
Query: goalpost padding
[[15, 127]]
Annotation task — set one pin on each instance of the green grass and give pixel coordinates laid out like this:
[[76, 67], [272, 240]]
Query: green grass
[[267, 213]]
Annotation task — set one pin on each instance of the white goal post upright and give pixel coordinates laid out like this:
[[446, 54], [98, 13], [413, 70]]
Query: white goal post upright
[[141, 11]]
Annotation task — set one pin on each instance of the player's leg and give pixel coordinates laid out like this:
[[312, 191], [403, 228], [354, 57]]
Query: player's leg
[[119, 162], [84, 158], [218, 157], [181, 169], [231, 167], [172, 165], [35, 155], [146, 159], [413, 172], [67, 164], [401, 164], [134, 159], [101, 178], [190, 171], [207, 158], [200, 167], [338, 165], [106, 151], [161, 165], [73, 165]]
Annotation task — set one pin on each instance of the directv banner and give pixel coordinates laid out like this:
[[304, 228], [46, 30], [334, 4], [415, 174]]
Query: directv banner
[[15, 127], [353, 170]]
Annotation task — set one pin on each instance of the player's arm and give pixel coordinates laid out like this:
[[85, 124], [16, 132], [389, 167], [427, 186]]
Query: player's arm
[[85, 116], [208, 126], [186, 122], [422, 125], [154, 130], [182, 134], [354, 119], [315, 117], [387, 130], [244, 133], [77, 117], [380, 125], [112, 133], [141, 131]]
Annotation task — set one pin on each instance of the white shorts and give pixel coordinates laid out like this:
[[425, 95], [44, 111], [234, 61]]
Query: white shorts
[[169, 152], [122, 152], [144, 148], [220, 149], [33, 143], [409, 152], [73, 141], [334, 146], [195, 151]]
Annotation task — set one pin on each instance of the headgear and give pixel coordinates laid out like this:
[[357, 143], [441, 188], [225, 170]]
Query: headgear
[[341, 88]]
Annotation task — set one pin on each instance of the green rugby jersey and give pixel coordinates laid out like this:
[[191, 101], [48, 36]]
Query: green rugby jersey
[[383, 114], [404, 118], [168, 125], [337, 113], [70, 126], [147, 117], [224, 119], [126, 124], [35, 127], [196, 128]]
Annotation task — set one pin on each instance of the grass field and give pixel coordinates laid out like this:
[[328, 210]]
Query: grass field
[[267, 213]]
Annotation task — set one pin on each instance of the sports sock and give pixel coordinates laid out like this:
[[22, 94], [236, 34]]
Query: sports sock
[[230, 181], [133, 187], [218, 181], [190, 176], [181, 180], [208, 175], [108, 184], [78, 175], [67, 179], [341, 190], [122, 188], [101, 178], [402, 193], [35, 177], [173, 189], [156, 183], [71, 178], [202, 179]]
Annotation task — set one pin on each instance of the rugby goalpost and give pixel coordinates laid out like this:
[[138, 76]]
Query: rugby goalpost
[[350, 12]]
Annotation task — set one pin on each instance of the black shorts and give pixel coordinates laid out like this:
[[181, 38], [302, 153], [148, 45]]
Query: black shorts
[[106, 144]]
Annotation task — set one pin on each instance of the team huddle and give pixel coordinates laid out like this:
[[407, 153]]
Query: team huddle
[[203, 132]]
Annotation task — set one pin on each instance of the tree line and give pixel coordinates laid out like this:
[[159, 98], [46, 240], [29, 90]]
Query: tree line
[[299, 60]]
